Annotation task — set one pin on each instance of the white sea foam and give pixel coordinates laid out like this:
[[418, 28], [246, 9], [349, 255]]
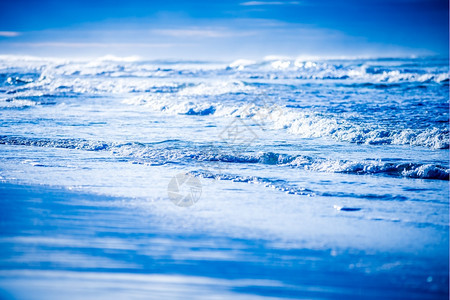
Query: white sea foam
[[316, 125], [149, 154], [169, 88], [216, 88], [240, 64], [304, 124], [16, 103], [286, 68]]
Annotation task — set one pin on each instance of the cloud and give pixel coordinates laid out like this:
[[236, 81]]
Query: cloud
[[259, 3], [190, 32], [217, 39], [9, 33], [90, 45], [202, 33]]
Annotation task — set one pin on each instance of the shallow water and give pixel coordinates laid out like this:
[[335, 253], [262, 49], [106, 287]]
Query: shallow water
[[303, 167]]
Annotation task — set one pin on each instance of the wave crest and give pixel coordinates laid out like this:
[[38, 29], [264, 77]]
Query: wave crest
[[196, 157]]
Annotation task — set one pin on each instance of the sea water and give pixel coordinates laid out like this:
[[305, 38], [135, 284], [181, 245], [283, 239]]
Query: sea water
[[280, 177]]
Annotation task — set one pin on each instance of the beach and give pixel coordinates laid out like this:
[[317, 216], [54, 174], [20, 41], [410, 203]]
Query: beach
[[56, 242]]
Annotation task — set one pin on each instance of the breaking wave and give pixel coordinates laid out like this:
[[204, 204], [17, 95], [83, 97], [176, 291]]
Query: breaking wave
[[207, 157], [304, 124]]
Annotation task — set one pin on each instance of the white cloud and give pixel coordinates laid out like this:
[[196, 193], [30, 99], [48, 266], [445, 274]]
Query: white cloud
[[9, 33], [190, 32], [259, 3], [202, 33], [89, 44]]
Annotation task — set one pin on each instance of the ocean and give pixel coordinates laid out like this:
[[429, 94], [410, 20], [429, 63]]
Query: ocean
[[278, 178]]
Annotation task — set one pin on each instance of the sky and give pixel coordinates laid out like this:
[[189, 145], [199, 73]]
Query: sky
[[223, 30]]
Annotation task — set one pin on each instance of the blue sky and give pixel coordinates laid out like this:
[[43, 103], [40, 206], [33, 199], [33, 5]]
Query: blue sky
[[224, 29]]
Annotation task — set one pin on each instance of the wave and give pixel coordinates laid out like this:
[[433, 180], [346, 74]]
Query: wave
[[55, 143], [362, 70], [216, 88], [164, 81], [17, 79], [206, 156], [277, 184], [63, 87], [16, 103], [190, 100], [288, 188], [168, 86], [321, 125], [411, 170], [305, 124]]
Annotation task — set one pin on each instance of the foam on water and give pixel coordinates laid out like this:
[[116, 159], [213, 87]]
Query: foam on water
[[304, 124], [16, 103], [154, 154], [367, 70]]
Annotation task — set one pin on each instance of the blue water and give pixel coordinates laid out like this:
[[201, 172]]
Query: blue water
[[293, 178]]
